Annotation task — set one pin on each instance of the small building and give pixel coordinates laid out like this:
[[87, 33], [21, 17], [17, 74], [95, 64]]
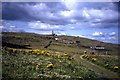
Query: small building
[[67, 41], [58, 39], [99, 48], [70, 42], [77, 42]]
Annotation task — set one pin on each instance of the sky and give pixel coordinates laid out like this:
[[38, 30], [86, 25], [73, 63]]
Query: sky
[[93, 20]]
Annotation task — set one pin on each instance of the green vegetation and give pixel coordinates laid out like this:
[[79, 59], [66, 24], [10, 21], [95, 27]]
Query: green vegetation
[[29, 55], [32, 64], [106, 61]]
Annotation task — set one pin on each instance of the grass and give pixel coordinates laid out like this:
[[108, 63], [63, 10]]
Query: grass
[[66, 49], [70, 48], [37, 41], [22, 64], [106, 61], [100, 70]]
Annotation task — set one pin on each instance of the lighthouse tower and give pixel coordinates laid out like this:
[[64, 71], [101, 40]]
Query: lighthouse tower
[[53, 34]]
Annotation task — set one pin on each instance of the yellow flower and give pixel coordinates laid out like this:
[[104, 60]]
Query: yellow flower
[[65, 54], [27, 51], [48, 54], [70, 57], [38, 53], [30, 51], [69, 62], [116, 67], [50, 65], [42, 52], [94, 59], [52, 54], [106, 65], [60, 61], [37, 66], [86, 56], [58, 56], [14, 50]]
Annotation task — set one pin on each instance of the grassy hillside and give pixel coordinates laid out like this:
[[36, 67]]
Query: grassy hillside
[[36, 41], [30, 55]]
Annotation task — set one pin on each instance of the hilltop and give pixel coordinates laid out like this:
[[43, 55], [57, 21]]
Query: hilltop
[[63, 43]]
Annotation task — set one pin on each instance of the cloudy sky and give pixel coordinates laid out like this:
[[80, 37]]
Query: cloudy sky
[[94, 20]]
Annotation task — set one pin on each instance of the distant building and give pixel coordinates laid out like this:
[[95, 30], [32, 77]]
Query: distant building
[[77, 42], [53, 34], [67, 41], [99, 48], [70, 42], [58, 39]]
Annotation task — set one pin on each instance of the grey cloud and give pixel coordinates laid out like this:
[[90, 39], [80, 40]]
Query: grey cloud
[[12, 11], [50, 13], [98, 5]]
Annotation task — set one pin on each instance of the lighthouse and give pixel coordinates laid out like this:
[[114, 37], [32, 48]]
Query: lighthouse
[[53, 34]]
